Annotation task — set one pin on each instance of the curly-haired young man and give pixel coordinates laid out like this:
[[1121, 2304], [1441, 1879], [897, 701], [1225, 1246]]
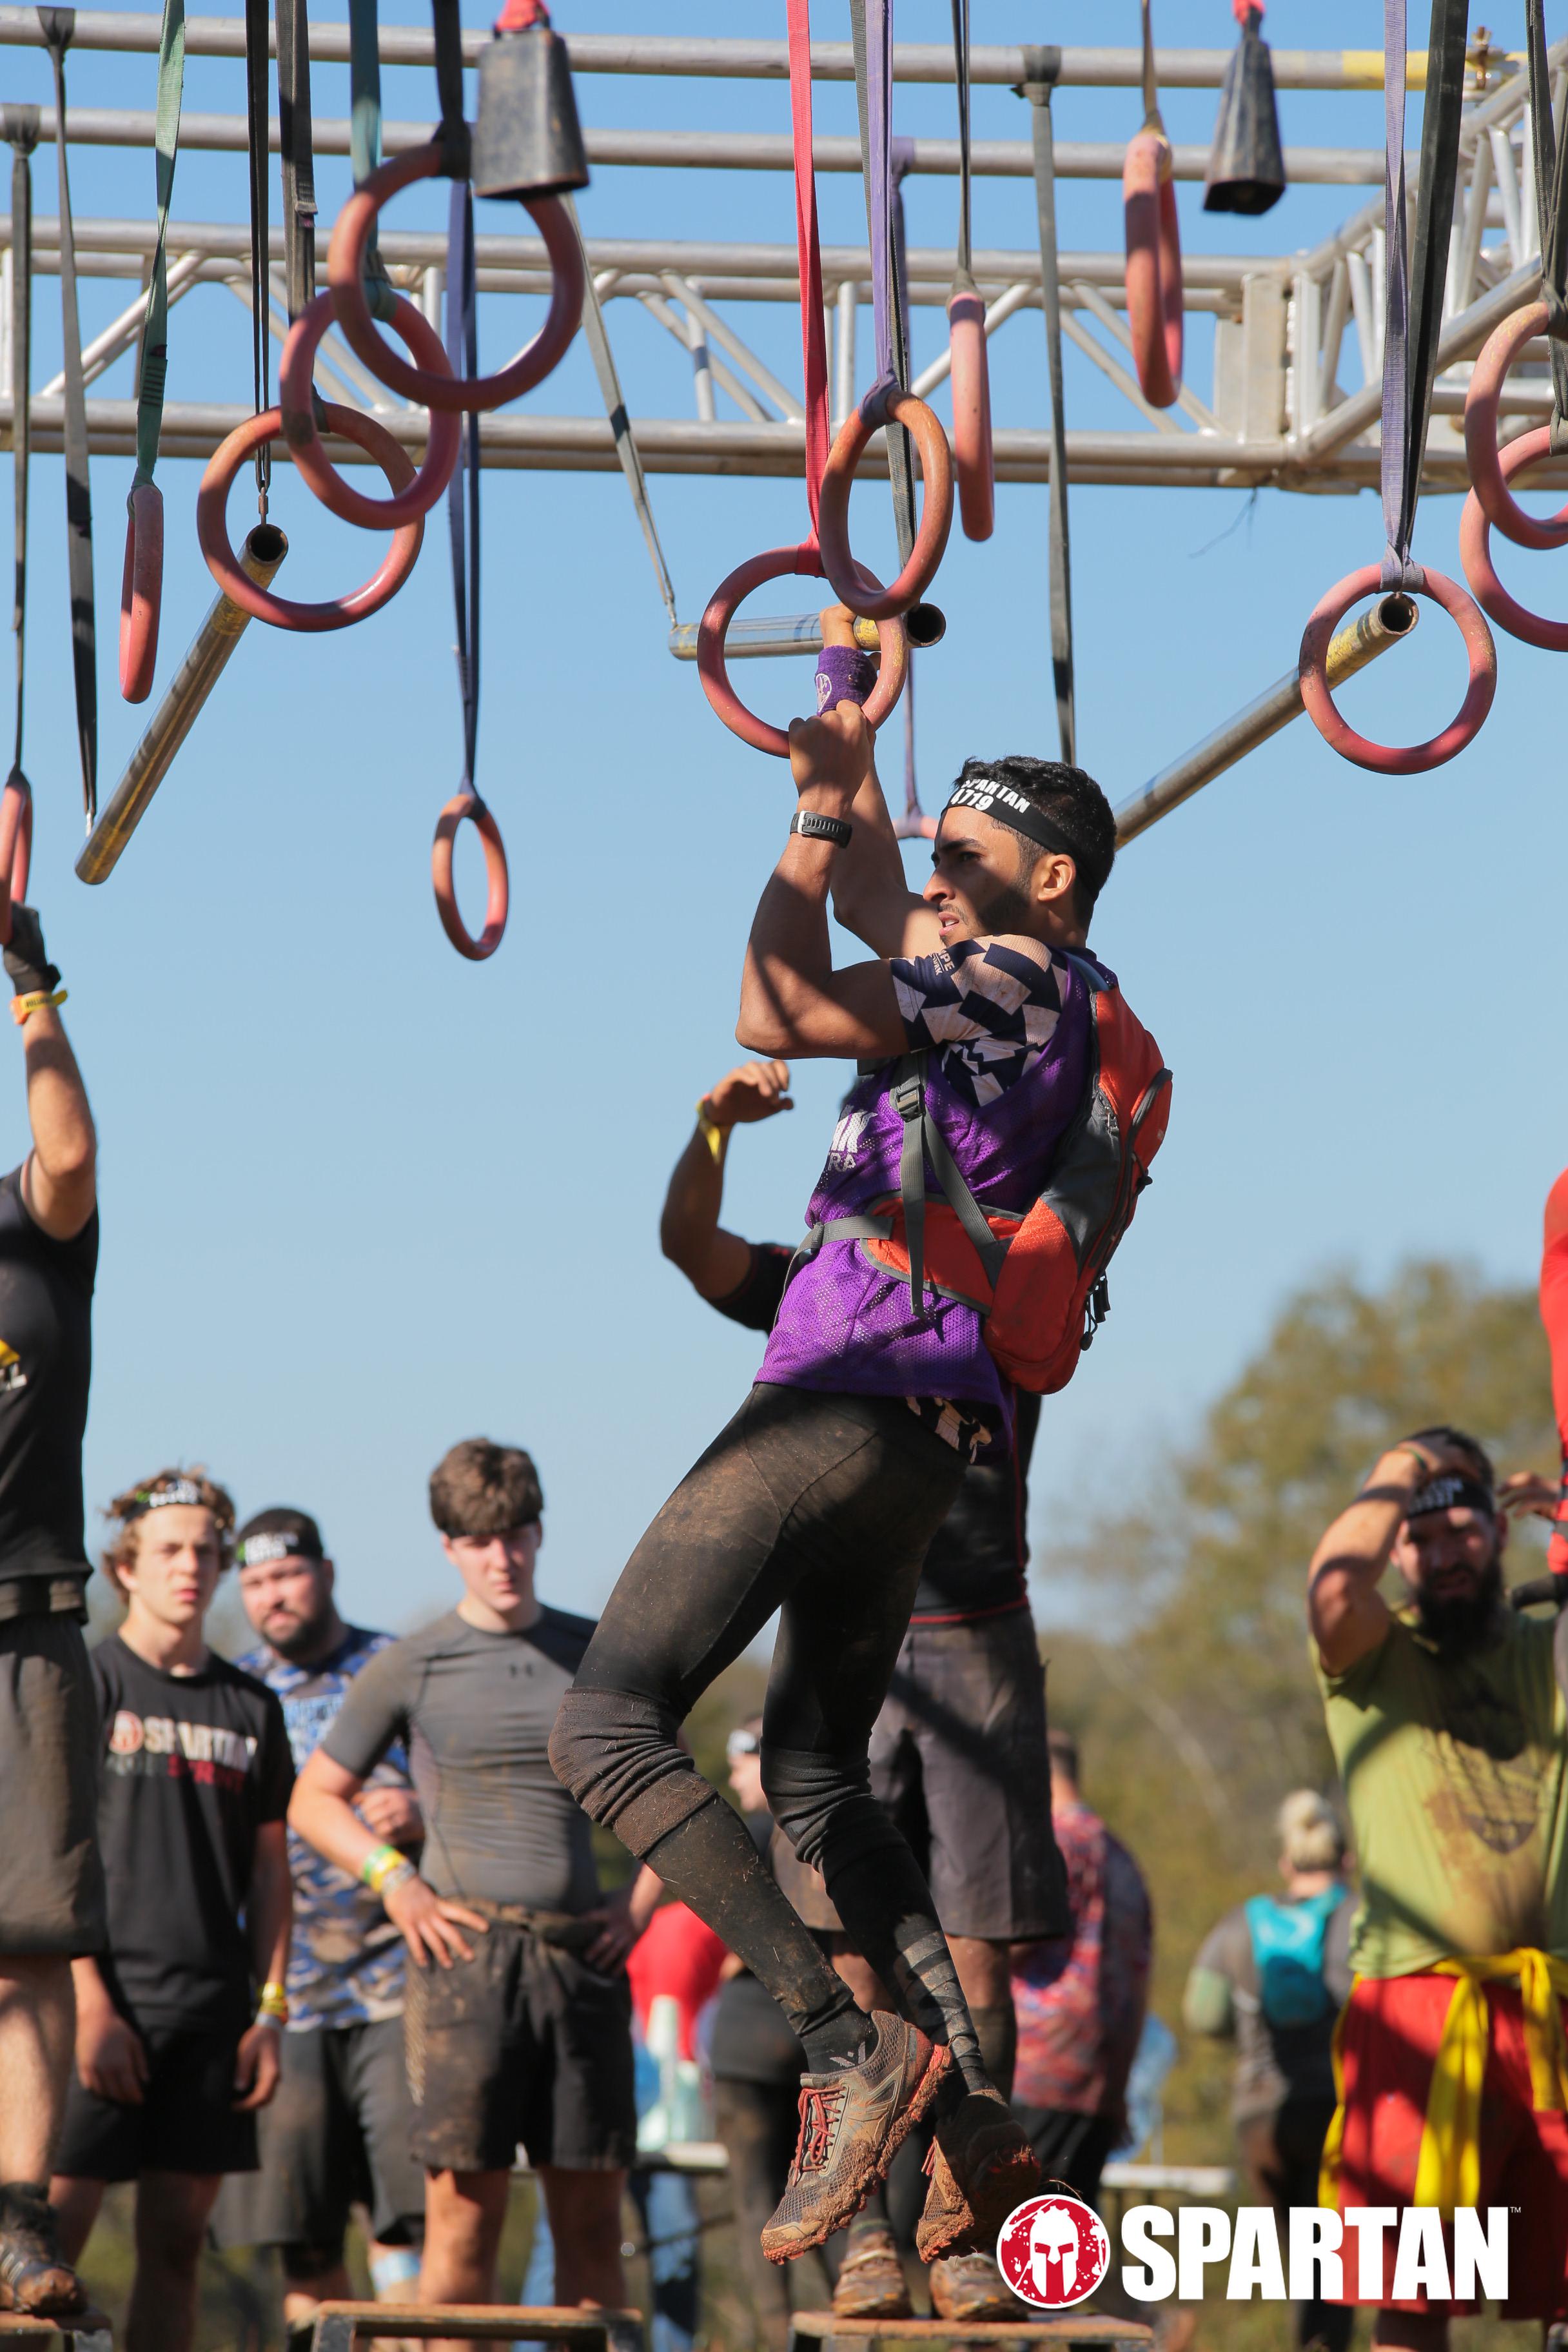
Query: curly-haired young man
[[178, 2022]]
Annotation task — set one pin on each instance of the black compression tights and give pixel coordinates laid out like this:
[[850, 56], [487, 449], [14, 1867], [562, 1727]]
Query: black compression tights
[[821, 1508]]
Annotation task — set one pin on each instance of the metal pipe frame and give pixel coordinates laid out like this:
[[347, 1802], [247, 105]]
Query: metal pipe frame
[[1360, 641], [724, 150], [601, 53], [1290, 328]]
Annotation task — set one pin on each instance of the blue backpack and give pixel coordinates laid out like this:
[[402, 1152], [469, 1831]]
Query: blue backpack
[[1288, 1940]]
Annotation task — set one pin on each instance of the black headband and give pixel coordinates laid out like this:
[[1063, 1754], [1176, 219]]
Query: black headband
[[159, 1498], [275, 1543], [1450, 1490], [1009, 808]]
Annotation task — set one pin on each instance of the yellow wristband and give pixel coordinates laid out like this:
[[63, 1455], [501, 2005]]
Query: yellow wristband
[[274, 2002], [717, 1137], [379, 1865], [21, 1006]]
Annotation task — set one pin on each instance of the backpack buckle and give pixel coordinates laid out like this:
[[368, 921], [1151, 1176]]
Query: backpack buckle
[[908, 1098]]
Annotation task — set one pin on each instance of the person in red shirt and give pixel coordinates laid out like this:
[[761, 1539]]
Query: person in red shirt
[[1080, 1999]]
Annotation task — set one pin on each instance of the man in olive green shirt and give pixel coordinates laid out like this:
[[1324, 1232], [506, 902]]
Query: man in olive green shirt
[[1451, 1736]]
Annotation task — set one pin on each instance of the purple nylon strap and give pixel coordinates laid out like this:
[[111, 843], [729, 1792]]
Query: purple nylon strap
[[844, 674], [1399, 571]]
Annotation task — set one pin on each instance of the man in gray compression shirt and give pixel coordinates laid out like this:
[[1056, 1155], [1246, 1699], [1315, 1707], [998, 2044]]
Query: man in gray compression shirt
[[518, 2013]]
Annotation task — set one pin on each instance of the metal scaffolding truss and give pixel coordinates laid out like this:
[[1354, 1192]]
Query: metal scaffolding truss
[[1293, 393]]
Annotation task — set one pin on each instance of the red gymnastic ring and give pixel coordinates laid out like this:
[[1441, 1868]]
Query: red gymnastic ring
[[304, 441], [1475, 555], [1391, 759], [16, 848], [345, 266], [1153, 266], [780, 564], [461, 805], [1488, 472], [971, 455], [886, 404], [141, 592], [212, 526]]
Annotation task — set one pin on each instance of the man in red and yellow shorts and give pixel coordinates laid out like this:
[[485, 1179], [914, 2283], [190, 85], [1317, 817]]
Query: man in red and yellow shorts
[[1451, 1736]]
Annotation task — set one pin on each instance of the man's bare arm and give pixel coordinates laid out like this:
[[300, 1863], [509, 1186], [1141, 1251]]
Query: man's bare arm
[[1347, 1615], [60, 1183], [792, 1000], [871, 896], [713, 1261]]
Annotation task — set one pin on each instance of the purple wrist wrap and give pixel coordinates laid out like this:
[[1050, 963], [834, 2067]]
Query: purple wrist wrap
[[844, 674]]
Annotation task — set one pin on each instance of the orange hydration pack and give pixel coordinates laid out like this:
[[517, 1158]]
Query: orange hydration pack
[[1037, 1276]]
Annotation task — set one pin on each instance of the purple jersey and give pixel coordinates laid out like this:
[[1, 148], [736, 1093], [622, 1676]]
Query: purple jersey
[[1007, 1030]]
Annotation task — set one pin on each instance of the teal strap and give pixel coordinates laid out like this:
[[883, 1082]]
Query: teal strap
[[365, 137], [153, 370]]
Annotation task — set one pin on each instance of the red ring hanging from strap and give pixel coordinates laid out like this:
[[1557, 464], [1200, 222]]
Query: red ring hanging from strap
[[779, 564], [971, 454], [1154, 319], [1490, 473], [1476, 526], [1396, 758], [497, 898], [280, 612], [141, 592], [886, 404], [294, 374], [15, 847], [345, 265]]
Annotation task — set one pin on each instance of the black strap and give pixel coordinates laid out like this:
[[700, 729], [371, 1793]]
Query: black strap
[[257, 132], [58, 25], [923, 1138], [20, 126], [463, 491], [1551, 159], [1041, 68], [296, 151], [453, 130], [964, 276], [1413, 342]]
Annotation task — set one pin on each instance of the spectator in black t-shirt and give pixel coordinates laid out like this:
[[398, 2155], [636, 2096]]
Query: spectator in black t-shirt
[[51, 1885], [958, 1754], [178, 2024]]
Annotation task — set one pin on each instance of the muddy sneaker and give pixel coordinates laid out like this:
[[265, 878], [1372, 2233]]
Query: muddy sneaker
[[970, 2287], [981, 2165], [871, 2282], [852, 2122], [35, 2276]]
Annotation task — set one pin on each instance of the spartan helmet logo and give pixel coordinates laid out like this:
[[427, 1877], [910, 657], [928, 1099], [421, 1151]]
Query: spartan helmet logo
[[1053, 2254], [1053, 2251]]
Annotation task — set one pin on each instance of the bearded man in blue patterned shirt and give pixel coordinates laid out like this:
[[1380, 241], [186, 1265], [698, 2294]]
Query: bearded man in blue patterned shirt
[[338, 2133]]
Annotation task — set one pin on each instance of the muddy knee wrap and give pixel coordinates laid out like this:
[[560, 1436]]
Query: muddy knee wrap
[[618, 1755], [825, 1807]]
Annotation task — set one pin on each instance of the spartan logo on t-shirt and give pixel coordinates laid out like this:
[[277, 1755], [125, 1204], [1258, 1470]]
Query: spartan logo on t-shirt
[[12, 1375], [844, 1151], [172, 1750]]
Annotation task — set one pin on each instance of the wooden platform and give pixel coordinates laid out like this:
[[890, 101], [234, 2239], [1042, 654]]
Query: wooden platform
[[338, 2325], [1086, 2328], [88, 2331]]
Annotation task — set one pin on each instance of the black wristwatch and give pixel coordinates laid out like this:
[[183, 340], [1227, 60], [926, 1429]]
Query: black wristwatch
[[811, 825]]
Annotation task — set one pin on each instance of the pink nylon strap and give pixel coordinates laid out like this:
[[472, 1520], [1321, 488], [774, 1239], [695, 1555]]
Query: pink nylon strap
[[813, 326]]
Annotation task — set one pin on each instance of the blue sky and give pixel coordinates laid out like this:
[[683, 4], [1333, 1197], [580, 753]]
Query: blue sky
[[361, 1199]]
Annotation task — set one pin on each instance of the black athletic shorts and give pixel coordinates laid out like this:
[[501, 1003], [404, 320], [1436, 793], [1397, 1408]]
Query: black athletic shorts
[[187, 2121], [958, 1757], [524, 2041], [51, 1880], [337, 2134]]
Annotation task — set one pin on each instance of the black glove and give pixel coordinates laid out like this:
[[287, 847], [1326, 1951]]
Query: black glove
[[27, 957]]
